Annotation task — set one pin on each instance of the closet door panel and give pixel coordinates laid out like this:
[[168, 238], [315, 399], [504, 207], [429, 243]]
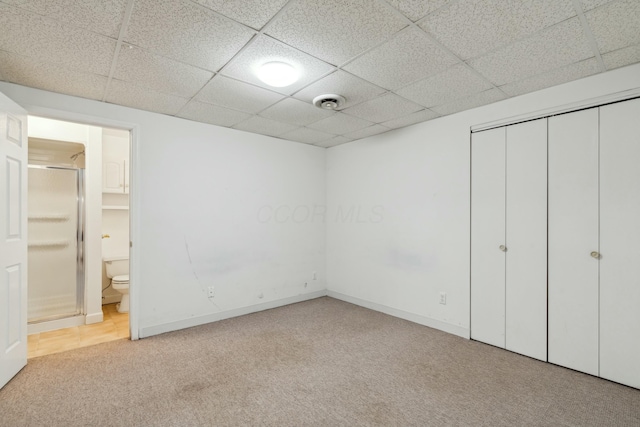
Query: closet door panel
[[620, 242], [487, 235], [526, 239], [573, 235]]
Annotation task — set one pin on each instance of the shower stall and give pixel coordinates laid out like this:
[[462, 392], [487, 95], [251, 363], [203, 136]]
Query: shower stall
[[56, 276]]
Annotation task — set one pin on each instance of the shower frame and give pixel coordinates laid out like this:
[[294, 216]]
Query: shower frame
[[80, 233]]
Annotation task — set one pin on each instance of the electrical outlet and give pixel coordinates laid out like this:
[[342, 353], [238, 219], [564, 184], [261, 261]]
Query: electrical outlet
[[210, 292], [315, 275], [443, 298]]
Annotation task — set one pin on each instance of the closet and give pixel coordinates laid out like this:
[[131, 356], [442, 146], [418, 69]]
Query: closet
[[509, 238], [589, 319]]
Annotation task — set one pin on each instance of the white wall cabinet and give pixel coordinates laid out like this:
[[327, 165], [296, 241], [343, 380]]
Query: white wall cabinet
[[593, 232], [113, 176], [115, 165], [508, 242]]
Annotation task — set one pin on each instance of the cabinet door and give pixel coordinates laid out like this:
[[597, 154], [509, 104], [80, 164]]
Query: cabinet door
[[573, 235], [487, 235], [112, 177], [526, 239], [620, 242]]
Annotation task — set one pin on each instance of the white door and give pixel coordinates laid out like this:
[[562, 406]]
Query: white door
[[13, 239], [620, 242], [526, 239], [488, 236], [573, 235]]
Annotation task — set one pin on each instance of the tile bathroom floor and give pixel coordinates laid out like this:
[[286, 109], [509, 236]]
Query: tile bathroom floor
[[115, 326]]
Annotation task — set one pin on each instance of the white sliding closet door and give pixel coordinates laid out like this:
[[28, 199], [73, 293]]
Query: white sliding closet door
[[526, 239], [620, 242], [487, 235], [573, 235]]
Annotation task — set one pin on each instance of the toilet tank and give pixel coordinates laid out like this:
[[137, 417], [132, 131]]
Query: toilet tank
[[116, 265]]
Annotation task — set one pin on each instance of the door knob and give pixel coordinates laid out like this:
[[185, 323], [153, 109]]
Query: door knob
[[105, 236], [595, 254], [503, 248]]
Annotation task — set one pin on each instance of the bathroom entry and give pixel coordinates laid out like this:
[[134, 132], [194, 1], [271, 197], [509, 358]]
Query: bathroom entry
[[115, 218], [78, 199]]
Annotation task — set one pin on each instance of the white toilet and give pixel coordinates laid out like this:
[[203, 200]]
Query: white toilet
[[118, 271]]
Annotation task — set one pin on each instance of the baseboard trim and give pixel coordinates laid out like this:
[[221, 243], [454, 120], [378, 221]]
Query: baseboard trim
[[150, 331], [94, 317], [411, 317], [111, 299]]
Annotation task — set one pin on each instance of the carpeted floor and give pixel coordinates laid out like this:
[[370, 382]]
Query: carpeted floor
[[318, 363]]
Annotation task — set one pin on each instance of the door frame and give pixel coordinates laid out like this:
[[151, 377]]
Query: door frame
[[134, 197]]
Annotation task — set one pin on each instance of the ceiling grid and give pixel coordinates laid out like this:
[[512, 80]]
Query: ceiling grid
[[397, 62]]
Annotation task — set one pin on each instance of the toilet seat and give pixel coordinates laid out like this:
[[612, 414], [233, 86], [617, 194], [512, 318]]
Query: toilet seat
[[124, 278]]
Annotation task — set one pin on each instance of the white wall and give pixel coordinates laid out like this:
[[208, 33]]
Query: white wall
[[412, 189], [198, 192]]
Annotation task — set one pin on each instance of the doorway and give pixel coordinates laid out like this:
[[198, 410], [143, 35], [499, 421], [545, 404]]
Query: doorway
[[102, 230]]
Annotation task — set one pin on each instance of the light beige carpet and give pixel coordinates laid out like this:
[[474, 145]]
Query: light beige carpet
[[318, 363]]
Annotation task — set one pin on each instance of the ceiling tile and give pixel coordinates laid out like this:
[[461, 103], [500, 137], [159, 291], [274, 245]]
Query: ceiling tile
[[238, 95], [264, 126], [354, 89], [265, 49], [295, 112], [340, 123], [407, 57], [49, 41], [254, 13], [159, 73], [186, 32], [413, 118], [213, 114], [386, 107], [552, 48], [473, 101], [335, 30], [592, 4], [472, 27], [454, 83], [558, 76], [622, 57], [131, 95], [27, 71], [338, 140], [616, 25], [370, 131], [306, 135], [416, 9], [103, 17]]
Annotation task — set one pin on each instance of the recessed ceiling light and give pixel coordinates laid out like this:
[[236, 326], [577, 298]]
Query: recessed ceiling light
[[278, 74]]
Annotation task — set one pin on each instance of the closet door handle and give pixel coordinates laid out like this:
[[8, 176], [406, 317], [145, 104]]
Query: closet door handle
[[595, 254], [503, 248]]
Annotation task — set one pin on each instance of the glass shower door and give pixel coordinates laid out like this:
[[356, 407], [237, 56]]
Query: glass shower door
[[56, 273]]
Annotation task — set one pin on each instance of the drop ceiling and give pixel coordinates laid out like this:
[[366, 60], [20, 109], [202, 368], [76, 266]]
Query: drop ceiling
[[397, 62]]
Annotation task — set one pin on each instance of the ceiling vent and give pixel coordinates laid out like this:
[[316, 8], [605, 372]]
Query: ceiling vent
[[330, 101]]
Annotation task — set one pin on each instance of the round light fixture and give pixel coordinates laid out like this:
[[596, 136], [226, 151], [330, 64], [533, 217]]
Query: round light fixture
[[278, 74]]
